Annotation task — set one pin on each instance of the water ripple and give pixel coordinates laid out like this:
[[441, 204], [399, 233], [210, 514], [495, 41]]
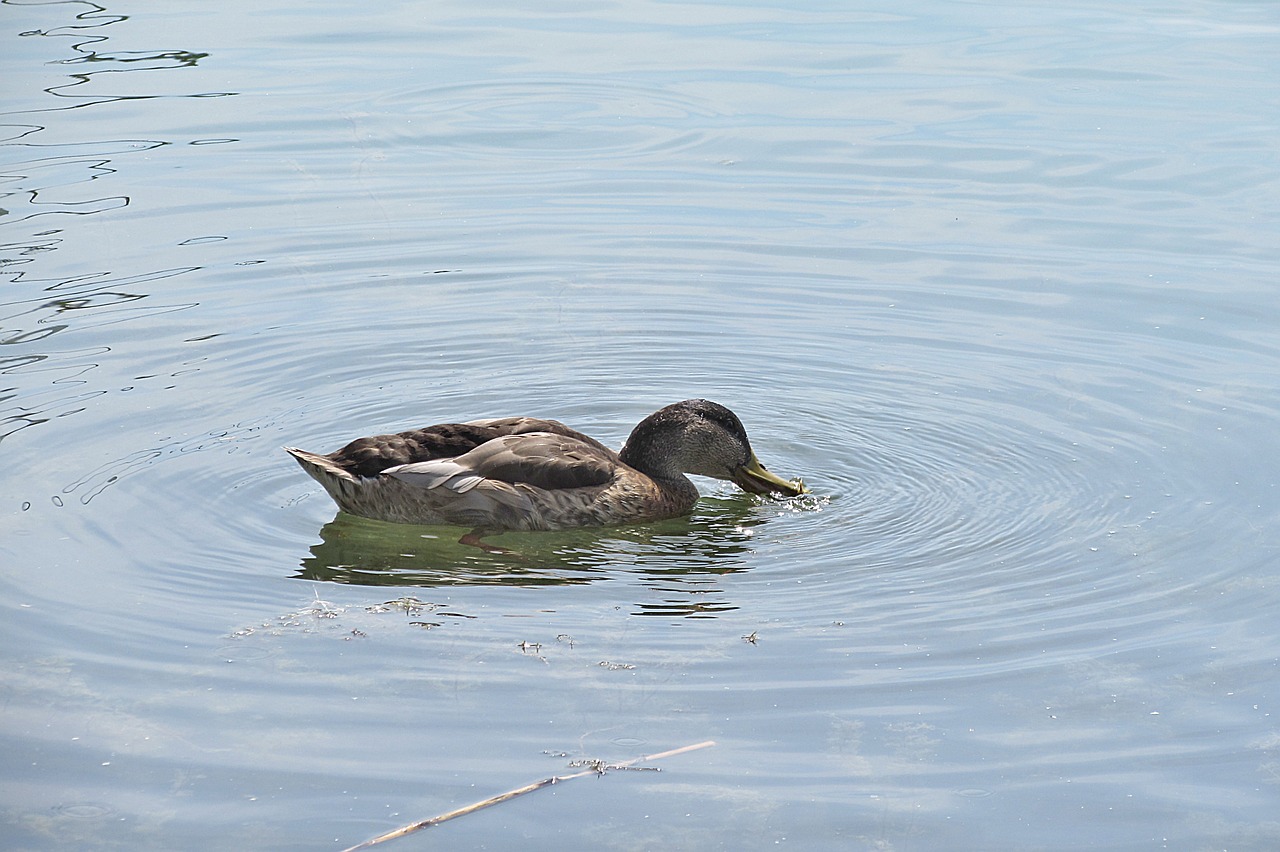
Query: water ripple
[[544, 118]]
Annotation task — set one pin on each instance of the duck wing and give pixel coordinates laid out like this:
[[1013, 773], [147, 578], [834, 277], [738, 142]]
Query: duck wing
[[546, 460], [366, 457]]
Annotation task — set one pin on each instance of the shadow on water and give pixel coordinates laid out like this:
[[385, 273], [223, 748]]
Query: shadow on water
[[677, 561]]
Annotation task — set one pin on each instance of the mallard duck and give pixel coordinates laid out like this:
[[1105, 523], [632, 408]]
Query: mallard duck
[[521, 473]]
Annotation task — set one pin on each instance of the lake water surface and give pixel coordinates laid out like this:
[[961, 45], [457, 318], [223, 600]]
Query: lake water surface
[[998, 280]]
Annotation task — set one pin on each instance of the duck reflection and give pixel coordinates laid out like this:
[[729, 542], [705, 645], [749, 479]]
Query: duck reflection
[[681, 559]]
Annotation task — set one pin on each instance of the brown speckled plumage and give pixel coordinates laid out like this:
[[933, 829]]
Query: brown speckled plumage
[[521, 473]]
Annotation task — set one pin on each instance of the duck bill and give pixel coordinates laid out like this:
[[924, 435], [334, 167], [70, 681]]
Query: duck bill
[[756, 479]]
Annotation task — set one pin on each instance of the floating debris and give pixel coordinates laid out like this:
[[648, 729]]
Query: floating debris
[[596, 767]]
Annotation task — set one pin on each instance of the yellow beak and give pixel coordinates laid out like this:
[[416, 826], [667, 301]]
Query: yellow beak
[[756, 479]]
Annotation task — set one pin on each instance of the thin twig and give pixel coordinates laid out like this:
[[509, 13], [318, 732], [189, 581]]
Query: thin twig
[[598, 769]]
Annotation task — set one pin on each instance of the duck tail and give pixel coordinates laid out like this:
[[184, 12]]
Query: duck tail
[[318, 467], [340, 484]]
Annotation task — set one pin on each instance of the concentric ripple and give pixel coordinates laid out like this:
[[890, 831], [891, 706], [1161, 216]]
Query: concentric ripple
[[545, 118]]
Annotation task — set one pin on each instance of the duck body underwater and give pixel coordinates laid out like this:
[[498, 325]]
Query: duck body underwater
[[523, 473]]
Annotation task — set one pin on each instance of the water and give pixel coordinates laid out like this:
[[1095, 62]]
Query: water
[[996, 280]]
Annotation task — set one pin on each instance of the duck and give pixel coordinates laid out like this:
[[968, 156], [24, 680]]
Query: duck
[[525, 474]]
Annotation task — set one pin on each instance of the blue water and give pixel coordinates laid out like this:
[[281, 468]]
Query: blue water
[[997, 280]]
